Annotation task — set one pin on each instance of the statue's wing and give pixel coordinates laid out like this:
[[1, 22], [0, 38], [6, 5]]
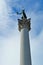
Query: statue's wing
[[18, 13]]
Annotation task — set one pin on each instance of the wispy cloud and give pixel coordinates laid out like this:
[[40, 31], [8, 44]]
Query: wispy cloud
[[36, 22], [9, 50], [6, 22], [37, 49], [3, 14]]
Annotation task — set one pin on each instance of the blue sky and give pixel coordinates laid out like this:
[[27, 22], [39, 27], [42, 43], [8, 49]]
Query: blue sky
[[10, 36]]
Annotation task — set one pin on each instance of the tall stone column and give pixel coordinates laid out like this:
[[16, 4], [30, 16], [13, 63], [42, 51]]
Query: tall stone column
[[24, 28]]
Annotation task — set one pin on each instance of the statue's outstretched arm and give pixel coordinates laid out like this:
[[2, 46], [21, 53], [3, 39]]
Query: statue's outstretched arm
[[19, 13]]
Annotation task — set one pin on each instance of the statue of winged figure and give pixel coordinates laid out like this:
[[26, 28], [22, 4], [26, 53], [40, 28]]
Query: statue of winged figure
[[23, 14]]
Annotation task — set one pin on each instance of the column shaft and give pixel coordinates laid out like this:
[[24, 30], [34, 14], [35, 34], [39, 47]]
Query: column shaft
[[25, 56]]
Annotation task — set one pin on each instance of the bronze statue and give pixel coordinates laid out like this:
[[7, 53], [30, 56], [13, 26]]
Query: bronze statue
[[23, 14]]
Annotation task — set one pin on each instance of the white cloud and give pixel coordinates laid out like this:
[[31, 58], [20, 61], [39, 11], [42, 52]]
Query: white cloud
[[6, 22], [3, 14], [37, 49], [10, 50]]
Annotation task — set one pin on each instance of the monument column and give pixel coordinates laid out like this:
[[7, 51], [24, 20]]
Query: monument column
[[24, 28]]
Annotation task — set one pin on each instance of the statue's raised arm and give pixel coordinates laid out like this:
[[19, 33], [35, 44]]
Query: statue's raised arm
[[24, 15]]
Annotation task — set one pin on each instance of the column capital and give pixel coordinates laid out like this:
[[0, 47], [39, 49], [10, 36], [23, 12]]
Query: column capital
[[24, 23]]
